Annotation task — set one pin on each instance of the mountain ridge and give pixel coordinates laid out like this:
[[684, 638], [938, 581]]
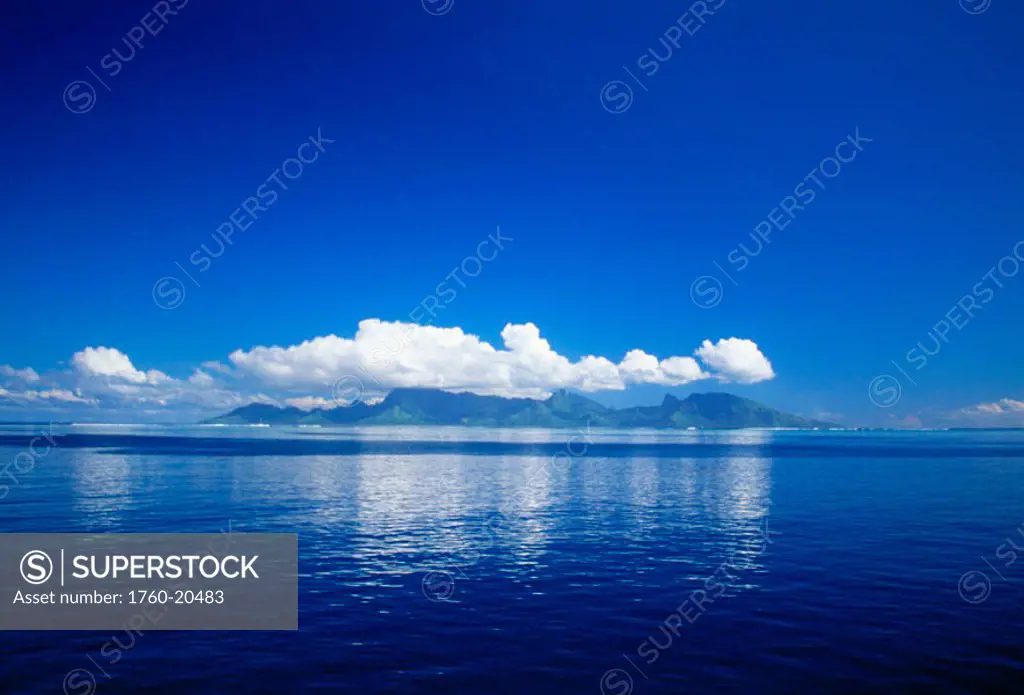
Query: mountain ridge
[[714, 410]]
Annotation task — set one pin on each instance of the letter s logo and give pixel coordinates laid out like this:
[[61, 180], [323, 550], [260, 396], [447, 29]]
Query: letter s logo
[[36, 567], [885, 391], [616, 96], [707, 292], [616, 682], [169, 293]]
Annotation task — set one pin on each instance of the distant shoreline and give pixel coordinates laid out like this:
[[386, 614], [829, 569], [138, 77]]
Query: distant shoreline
[[354, 426]]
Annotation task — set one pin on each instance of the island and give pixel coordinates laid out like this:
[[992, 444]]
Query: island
[[408, 406]]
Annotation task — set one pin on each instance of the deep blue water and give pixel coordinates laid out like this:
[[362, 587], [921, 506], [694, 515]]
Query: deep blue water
[[469, 561]]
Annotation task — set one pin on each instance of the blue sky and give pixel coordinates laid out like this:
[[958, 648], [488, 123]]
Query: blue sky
[[445, 126]]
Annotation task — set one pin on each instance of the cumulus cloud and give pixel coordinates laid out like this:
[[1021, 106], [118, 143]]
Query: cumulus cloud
[[736, 359], [1006, 412], [1001, 407], [387, 355], [27, 374], [110, 377], [382, 355], [312, 403], [111, 362], [638, 367], [201, 378], [62, 395]]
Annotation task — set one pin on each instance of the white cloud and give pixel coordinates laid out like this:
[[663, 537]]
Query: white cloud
[[65, 395], [736, 359], [27, 374], [387, 355], [104, 361], [157, 377], [111, 362], [62, 395], [312, 402], [1001, 407], [110, 376], [638, 367], [382, 355], [201, 378], [1006, 412], [262, 398]]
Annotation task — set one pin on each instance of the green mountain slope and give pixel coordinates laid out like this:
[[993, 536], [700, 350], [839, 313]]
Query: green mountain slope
[[563, 409]]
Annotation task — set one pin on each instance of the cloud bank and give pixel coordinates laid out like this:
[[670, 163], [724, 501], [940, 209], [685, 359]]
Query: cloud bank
[[28, 374], [1006, 412], [381, 355], [386, 355], [1006, 406], [110, 362]]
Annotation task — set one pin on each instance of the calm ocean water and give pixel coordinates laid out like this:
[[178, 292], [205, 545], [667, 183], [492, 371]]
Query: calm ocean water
[[471, 561]]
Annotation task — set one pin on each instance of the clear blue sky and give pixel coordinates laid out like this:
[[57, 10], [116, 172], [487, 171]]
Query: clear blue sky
[[445, 126]]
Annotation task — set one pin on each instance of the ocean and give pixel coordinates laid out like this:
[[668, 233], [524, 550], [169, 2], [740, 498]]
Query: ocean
[[451, 560]]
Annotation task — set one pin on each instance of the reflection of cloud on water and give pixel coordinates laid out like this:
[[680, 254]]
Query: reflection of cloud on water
[[530, 490], [101, 485], [655, 491], [736, 488], [324, 488], [738, 437], [413, 512], [408, 507], [644, 483]]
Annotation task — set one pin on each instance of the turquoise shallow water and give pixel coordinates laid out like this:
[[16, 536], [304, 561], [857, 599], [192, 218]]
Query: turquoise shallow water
[[465, 561]]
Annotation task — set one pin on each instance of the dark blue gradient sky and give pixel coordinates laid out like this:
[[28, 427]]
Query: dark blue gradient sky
[[445, 126]]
